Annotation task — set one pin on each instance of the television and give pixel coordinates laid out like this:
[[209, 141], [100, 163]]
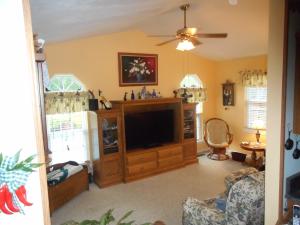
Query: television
[[149, 129]]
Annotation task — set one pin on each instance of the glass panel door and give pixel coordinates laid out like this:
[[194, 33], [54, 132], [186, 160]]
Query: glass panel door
[[189, 123], [110, 135]]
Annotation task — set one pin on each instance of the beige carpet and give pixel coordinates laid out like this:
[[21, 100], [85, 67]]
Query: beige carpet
[[153, 198]]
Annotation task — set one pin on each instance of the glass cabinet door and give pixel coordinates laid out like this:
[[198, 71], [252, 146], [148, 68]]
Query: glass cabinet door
[[110, 135], [189, 123]]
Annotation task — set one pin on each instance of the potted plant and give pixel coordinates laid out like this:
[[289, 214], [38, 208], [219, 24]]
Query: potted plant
[[105, 219]]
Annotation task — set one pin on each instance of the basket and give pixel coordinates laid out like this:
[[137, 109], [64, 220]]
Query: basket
[[237, 156]]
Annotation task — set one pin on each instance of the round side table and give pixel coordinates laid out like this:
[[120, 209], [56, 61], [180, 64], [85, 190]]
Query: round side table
[[254, 147]]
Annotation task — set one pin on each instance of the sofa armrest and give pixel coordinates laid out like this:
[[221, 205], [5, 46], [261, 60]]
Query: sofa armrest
[[196, 212], [236, 176], [245, 203]]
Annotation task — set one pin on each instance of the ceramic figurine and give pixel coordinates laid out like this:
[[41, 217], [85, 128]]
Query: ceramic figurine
[[143, 92], [153, 93], [125, 96], [104, 102], [185, 96], [175, 93], [148, 95]]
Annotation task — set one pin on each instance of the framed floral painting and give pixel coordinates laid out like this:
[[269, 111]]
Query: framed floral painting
[[137, 69]]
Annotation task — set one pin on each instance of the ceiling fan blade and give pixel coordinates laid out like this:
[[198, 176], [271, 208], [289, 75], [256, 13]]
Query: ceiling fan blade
[[166, 42], [216, 35], [195, 41], [157, 35]]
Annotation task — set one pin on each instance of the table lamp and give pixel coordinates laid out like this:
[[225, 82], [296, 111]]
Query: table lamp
[[259, 125]]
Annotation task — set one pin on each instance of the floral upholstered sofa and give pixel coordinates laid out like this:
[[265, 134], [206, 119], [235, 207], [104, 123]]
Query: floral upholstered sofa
[[242, 203]]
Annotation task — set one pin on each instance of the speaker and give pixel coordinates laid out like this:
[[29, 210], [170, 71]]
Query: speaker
[[93, 104]]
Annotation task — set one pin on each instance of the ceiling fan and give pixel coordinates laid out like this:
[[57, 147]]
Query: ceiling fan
[[188, 36]]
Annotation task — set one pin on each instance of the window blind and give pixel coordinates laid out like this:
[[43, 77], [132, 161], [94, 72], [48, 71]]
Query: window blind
[[199, 127], [68, 136], [256, 99]]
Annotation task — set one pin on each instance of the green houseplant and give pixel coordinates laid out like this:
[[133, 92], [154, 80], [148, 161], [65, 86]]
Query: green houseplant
[[106, 218]]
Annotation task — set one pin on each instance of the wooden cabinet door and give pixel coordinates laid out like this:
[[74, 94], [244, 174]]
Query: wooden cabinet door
[[111, 171], [109, 168], [189, 121], [109, 125]]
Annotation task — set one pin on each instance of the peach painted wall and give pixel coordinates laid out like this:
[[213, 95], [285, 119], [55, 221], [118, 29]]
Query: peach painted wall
[[94, 61], [235, 115]]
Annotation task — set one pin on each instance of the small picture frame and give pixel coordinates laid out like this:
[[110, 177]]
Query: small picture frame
[[137, 69], [228, 94]]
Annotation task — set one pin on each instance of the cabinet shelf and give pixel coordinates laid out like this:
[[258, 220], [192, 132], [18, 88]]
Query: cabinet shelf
[[110, 129], [110, 150]]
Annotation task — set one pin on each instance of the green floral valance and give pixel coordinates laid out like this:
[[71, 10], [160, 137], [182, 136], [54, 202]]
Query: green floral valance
[[196, 95], [66, 102], [254, 78]]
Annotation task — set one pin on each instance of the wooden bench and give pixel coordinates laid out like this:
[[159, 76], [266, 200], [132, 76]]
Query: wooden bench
[[63, 192]]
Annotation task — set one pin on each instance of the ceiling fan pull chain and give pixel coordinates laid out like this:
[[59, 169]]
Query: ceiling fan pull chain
[[185, 17]]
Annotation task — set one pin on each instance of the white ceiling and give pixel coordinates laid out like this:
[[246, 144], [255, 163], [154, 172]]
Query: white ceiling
[[246, 23]]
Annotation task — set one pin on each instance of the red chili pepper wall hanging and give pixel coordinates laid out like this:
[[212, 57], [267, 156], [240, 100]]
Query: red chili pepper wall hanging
[[13, 177]]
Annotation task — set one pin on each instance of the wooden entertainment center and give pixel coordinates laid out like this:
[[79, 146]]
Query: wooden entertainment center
[[117, 164]]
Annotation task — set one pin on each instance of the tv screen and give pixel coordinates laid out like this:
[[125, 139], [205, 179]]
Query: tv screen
[[149, 129]]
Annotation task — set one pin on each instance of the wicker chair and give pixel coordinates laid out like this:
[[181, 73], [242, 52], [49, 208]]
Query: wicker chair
[[217, 137]]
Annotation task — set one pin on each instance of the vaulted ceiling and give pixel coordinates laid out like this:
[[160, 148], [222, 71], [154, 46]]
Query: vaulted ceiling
[[246, 23]]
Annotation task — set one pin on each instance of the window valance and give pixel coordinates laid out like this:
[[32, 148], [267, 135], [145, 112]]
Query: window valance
[[191, 88], [196, 95], [254, 78], [65, 102]]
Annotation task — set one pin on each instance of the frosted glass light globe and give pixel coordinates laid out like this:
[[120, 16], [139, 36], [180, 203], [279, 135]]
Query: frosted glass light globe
[[233, 2]]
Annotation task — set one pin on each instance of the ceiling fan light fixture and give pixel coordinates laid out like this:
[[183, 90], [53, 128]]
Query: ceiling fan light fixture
[[185, 45], [233, 2]]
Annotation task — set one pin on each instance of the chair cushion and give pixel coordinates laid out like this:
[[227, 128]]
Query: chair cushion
[[60, 174], [217, 131], [215, 145]]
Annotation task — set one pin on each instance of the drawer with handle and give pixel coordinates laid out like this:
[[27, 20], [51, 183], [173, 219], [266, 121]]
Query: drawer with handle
[[171, 161], [169, 152], [141, 158], [141, 168]]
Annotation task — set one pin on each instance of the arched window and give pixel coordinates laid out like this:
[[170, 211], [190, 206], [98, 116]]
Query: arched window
[[193, 81], [67, 125], [65, 83]]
